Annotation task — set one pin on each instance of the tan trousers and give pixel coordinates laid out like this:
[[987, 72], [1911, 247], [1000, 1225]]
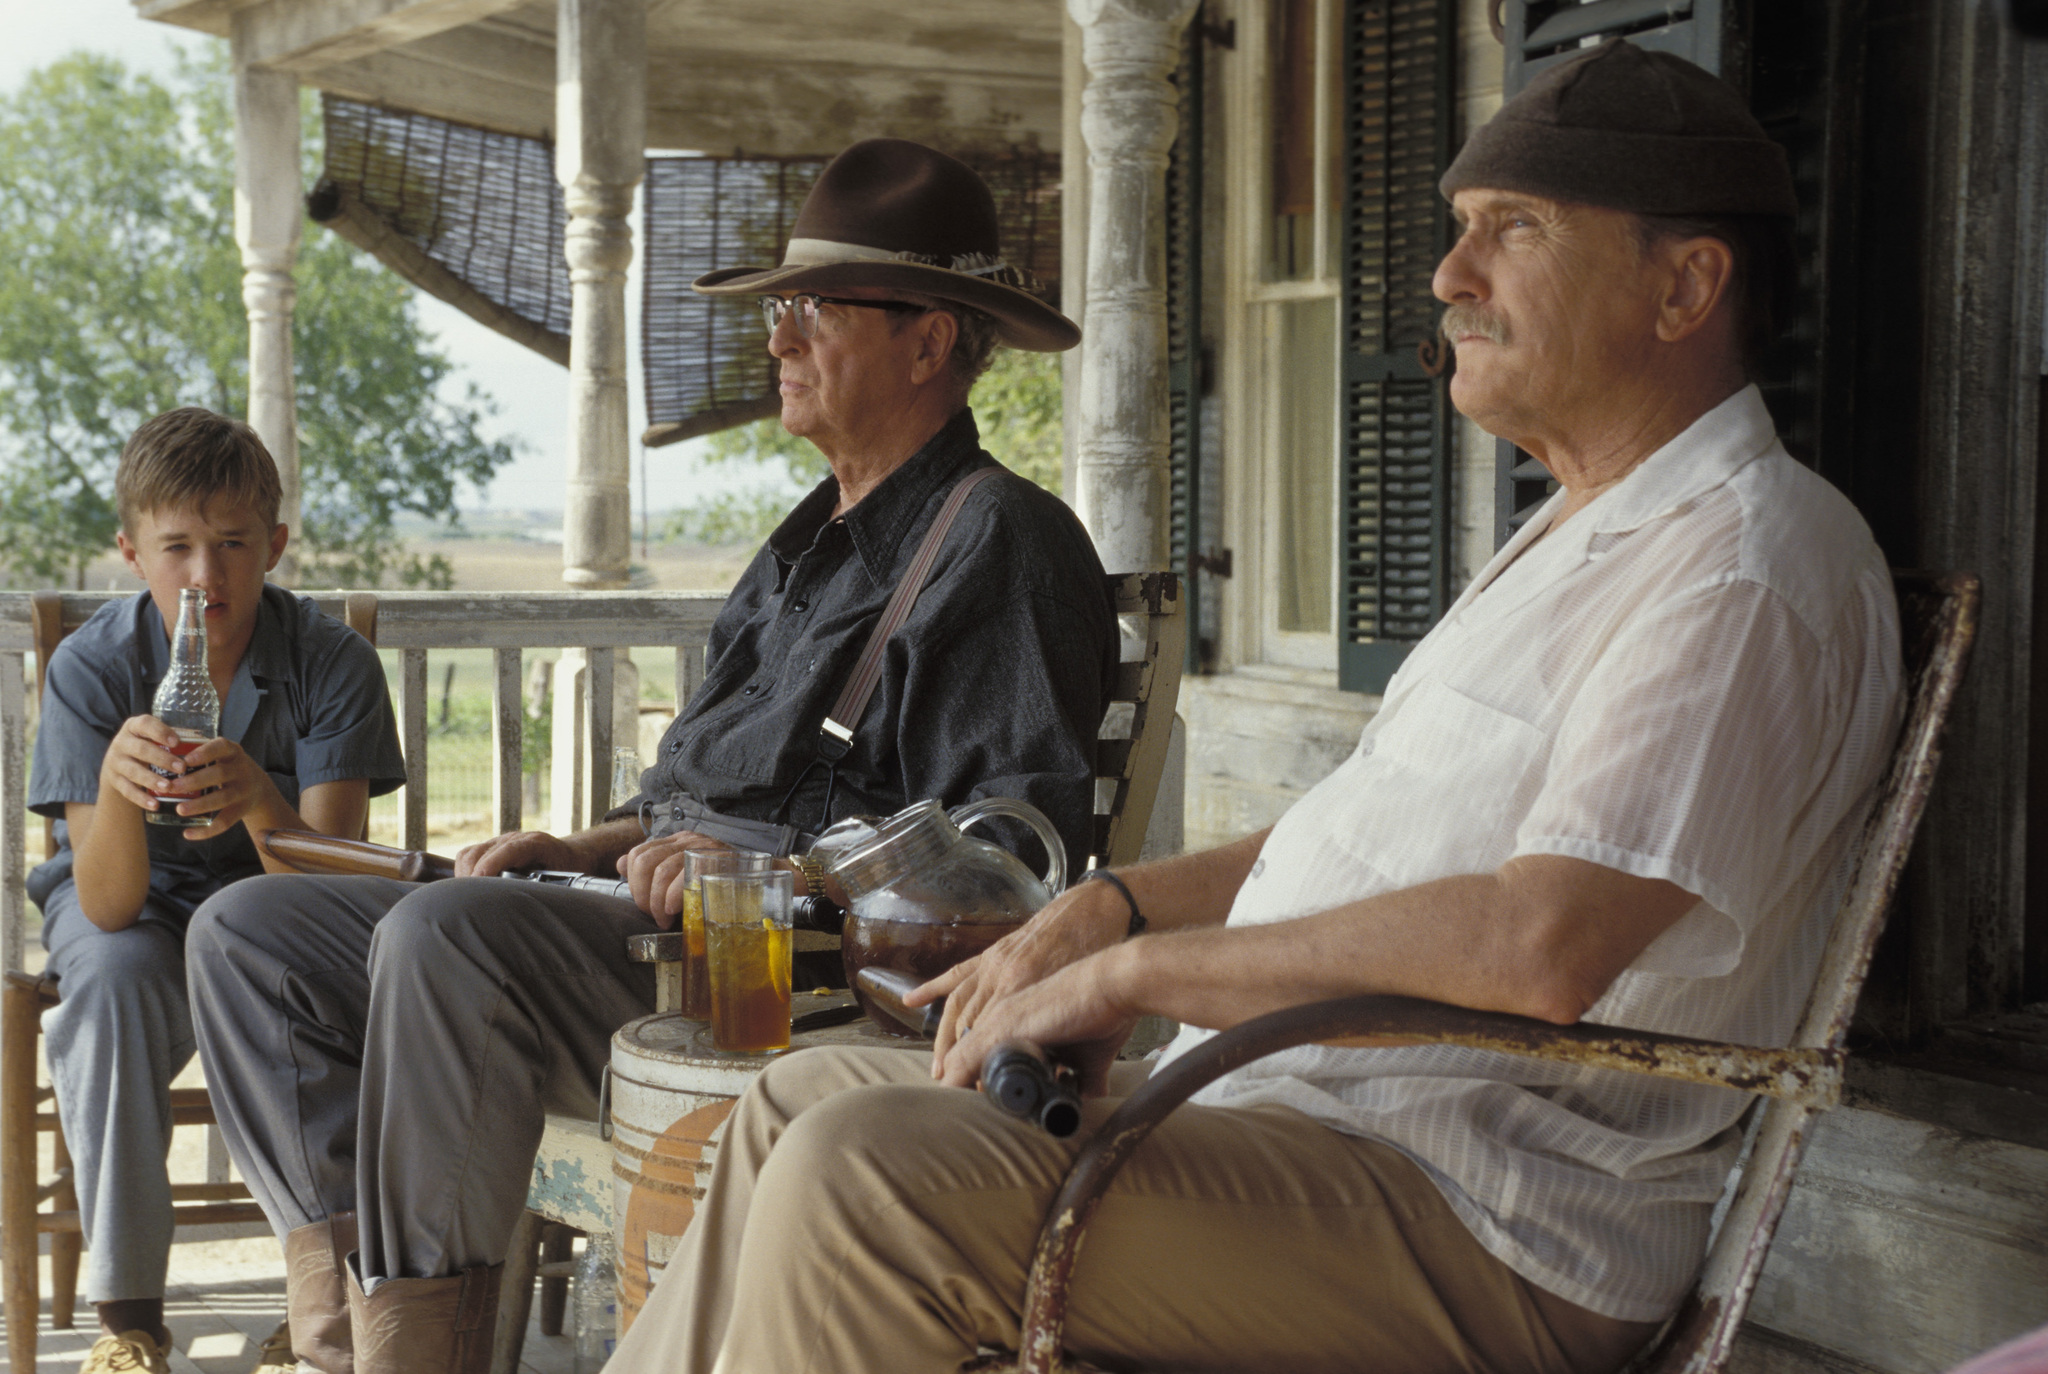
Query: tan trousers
[[862, 1218]]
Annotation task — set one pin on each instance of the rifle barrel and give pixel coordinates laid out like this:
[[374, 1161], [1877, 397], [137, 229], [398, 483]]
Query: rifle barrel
[[311, 852]]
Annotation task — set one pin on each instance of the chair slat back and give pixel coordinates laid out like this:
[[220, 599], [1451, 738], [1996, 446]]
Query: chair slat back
[[1937, 621], [1128, 767], [46, 619]]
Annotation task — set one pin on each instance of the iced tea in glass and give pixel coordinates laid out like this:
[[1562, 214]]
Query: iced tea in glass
[[697, 968], [746, 926]]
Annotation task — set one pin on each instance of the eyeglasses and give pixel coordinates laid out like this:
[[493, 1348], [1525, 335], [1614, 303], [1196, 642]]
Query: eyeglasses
[[806, 304]]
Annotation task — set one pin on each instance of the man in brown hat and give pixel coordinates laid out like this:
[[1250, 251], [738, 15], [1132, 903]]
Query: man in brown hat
[[1618, 782], [381, 1053]]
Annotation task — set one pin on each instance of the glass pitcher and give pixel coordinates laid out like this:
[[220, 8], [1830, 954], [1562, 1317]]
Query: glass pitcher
[[924, 896]]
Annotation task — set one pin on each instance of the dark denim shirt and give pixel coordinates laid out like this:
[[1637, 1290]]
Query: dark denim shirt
[[308, 703], [994, 686]]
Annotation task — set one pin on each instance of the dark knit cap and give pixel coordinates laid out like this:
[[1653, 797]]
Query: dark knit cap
[[1630, 129]]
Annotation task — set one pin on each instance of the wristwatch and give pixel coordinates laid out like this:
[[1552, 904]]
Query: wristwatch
[[813, 870]]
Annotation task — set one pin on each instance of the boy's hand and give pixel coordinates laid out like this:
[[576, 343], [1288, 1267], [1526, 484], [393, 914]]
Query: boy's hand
[[234, 788], [136, 759]]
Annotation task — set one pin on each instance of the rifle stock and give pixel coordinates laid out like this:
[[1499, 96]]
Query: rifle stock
[[311, 852]]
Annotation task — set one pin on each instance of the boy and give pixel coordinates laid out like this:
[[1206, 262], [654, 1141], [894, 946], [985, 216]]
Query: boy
[[306, 739]]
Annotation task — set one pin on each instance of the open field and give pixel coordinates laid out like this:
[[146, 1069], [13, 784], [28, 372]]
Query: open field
[[508, 564]]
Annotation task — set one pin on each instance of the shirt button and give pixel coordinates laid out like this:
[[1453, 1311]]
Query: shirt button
[[799, 605], [675, 746], [1258, 867]]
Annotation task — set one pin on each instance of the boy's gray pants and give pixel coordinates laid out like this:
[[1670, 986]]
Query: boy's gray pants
[[116, 1040], [392, 1048]]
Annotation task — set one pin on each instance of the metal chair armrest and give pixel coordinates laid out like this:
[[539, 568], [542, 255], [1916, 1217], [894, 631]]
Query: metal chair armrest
[[1810, 1077]]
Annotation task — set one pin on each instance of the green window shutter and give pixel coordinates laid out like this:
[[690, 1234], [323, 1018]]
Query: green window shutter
[[1395, 523], [1184, 350]]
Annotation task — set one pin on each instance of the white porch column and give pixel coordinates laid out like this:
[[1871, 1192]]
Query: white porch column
[[1128, 117], [268, 210], [600, 127]]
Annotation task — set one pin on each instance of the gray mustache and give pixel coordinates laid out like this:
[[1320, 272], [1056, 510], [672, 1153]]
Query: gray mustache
[[1470, 319]]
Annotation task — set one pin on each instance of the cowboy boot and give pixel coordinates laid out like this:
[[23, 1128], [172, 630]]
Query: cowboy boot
[[316, 1294], [426, 1326]]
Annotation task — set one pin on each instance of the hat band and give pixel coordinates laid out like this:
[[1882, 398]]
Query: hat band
[[826, 252]]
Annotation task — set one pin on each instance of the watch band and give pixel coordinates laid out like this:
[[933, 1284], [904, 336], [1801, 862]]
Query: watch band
[[813, 870], [1138, 923]]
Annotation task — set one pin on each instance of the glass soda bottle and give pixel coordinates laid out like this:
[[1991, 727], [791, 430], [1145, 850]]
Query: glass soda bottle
[[597, 1304], [185, 699]]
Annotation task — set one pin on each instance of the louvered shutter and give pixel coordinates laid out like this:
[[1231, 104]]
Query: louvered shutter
[[1184, 330], [1394, 526]]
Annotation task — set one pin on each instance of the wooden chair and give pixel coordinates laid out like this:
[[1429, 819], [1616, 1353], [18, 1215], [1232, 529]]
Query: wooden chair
[[1938, 615], [23, 1000], [1130, 758]]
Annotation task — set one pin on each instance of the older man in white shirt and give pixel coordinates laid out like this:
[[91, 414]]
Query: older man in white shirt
[[1619, 782]]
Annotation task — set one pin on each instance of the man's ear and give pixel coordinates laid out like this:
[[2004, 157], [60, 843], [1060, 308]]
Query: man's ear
[[279, 537], [938, 332], [1699, 273]]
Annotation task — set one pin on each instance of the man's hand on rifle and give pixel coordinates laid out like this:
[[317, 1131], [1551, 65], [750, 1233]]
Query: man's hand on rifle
[[520, 851], [654, 868]]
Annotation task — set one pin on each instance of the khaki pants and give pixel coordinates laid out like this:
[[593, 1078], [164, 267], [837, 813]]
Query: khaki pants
[[863, 1218]]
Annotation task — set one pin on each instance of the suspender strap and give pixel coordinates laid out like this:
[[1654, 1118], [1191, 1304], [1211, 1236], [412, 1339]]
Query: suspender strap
[[836, 735]]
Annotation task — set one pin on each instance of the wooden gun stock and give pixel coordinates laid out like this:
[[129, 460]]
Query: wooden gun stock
[[311, 852]]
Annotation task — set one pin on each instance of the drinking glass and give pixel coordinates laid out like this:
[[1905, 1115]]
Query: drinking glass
[[746, 925], [697, 969]]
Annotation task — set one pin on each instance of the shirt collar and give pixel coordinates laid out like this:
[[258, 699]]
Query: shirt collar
[[1711, 450], [269, 653], [1706, 454], [878, 524]]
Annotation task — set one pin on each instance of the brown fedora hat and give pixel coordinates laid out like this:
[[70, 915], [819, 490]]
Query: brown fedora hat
[[894, 214]]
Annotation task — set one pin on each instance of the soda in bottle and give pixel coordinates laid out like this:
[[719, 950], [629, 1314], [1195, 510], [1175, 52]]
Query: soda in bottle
[[185, 699]]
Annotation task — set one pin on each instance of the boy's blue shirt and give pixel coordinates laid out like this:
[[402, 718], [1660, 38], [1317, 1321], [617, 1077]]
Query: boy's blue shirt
[[308, 704]]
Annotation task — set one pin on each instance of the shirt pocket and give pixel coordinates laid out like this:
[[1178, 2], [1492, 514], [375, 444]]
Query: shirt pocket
[[1447, 782]]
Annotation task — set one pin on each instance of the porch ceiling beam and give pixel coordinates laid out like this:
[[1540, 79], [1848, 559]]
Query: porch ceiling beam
[[493, 76], [305, 35]]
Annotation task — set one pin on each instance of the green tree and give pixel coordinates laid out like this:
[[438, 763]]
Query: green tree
[[1016, 406], [120, 297]]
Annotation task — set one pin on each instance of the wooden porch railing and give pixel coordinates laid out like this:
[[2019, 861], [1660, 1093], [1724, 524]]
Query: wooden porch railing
[[599, 623]]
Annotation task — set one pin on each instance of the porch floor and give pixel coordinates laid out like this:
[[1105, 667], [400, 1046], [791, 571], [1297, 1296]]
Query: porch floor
[[225, 1297]]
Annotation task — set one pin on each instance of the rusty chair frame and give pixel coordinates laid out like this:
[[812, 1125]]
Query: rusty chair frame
[[1939, 617]]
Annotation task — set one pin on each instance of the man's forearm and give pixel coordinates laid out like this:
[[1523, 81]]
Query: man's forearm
[[598, 848], [1543, 937], [1192, 890]]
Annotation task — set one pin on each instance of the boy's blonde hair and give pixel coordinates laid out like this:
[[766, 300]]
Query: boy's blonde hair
[[192, 456]]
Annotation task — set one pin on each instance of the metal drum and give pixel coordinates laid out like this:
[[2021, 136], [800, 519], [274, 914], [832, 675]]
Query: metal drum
[[670, 1095]]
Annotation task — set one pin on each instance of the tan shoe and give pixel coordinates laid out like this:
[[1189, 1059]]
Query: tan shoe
[[131, 1352], [316, 1295], [426, 1326]]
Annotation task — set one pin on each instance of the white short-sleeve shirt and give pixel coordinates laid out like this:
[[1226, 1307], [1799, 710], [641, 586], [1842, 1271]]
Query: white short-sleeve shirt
[[1695, 679]]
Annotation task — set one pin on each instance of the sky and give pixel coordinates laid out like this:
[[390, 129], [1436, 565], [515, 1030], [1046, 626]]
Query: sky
[[532, 393]]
